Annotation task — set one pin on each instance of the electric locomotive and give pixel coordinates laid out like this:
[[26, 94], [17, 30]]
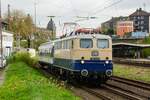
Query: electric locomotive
[[82, 56]]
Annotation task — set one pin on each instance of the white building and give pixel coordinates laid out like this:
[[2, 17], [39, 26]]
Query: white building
[[7, 43]]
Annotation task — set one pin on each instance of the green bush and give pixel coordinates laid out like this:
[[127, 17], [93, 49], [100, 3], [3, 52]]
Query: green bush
[[146, 52], [146, 40], [23, 57]]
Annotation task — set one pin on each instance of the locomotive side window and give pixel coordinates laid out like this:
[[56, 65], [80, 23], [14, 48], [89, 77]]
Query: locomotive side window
[[102, 43], [86, 43]]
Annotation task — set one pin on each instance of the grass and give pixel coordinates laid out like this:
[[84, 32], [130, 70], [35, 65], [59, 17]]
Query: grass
[[132, 72], [25, 83]]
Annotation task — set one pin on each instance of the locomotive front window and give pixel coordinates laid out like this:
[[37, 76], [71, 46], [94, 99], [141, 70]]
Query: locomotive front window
[[102, 43], [86, 43]]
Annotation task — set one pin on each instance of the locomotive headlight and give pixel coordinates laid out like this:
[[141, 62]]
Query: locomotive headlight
[[107, 62], [82, 61]]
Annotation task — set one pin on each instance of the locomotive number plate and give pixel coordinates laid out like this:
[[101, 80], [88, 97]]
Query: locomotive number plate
[[95, 53]]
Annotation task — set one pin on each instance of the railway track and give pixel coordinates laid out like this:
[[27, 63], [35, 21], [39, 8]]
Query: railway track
[[135, 83], [137, 89], [110, 91], [125, 94]]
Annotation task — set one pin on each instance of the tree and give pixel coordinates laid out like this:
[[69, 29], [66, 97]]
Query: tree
[[21, 24], [24, 29], [110, 32]]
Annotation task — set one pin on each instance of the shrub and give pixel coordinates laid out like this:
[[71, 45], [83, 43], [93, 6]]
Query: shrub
[[23, 57], [146, 40], [146, 52]]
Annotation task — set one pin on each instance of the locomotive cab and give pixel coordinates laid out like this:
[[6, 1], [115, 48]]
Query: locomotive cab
[[92, 55]]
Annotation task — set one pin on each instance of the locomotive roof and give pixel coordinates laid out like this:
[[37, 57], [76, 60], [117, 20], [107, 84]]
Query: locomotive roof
[[86, 36]]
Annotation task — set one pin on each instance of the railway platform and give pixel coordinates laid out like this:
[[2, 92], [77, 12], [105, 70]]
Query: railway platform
[[138, 62]]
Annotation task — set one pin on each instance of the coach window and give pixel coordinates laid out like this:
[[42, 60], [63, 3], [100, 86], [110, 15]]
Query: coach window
[[59, 45], [86, 43], [72, 44], [63, 44], [56, 46], [69, 44], [103, 43]]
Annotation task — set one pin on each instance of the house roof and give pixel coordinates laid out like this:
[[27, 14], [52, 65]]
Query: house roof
[[114, 19], [140, 12]]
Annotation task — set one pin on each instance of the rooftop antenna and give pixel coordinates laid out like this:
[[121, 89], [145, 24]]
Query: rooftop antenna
[[144, 5]]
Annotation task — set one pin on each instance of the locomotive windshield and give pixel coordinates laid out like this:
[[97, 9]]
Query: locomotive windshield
[[86, 43], [102, 43]]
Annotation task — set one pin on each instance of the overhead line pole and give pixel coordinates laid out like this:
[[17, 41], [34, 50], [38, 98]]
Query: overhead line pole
[[8, 16], [1, 36], [35, 13]]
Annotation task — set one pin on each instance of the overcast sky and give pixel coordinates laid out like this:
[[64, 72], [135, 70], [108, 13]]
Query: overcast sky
[[65, 10]]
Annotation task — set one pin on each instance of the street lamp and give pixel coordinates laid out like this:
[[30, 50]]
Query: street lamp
[[1, 38]]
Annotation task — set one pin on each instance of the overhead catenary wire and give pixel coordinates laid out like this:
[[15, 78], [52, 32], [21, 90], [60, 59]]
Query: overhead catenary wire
[[100, 5], [111, 5], [88, 17], [98, 11]]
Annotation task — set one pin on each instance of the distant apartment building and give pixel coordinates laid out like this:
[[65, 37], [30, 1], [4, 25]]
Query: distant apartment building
[[111, 24], [124, 27], [141, 20]]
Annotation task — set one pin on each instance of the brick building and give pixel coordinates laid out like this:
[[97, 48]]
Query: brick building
[[124, 27], [111, 24]]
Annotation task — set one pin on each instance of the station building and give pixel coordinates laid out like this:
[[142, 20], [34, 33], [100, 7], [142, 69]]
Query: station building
[[128, 50]]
